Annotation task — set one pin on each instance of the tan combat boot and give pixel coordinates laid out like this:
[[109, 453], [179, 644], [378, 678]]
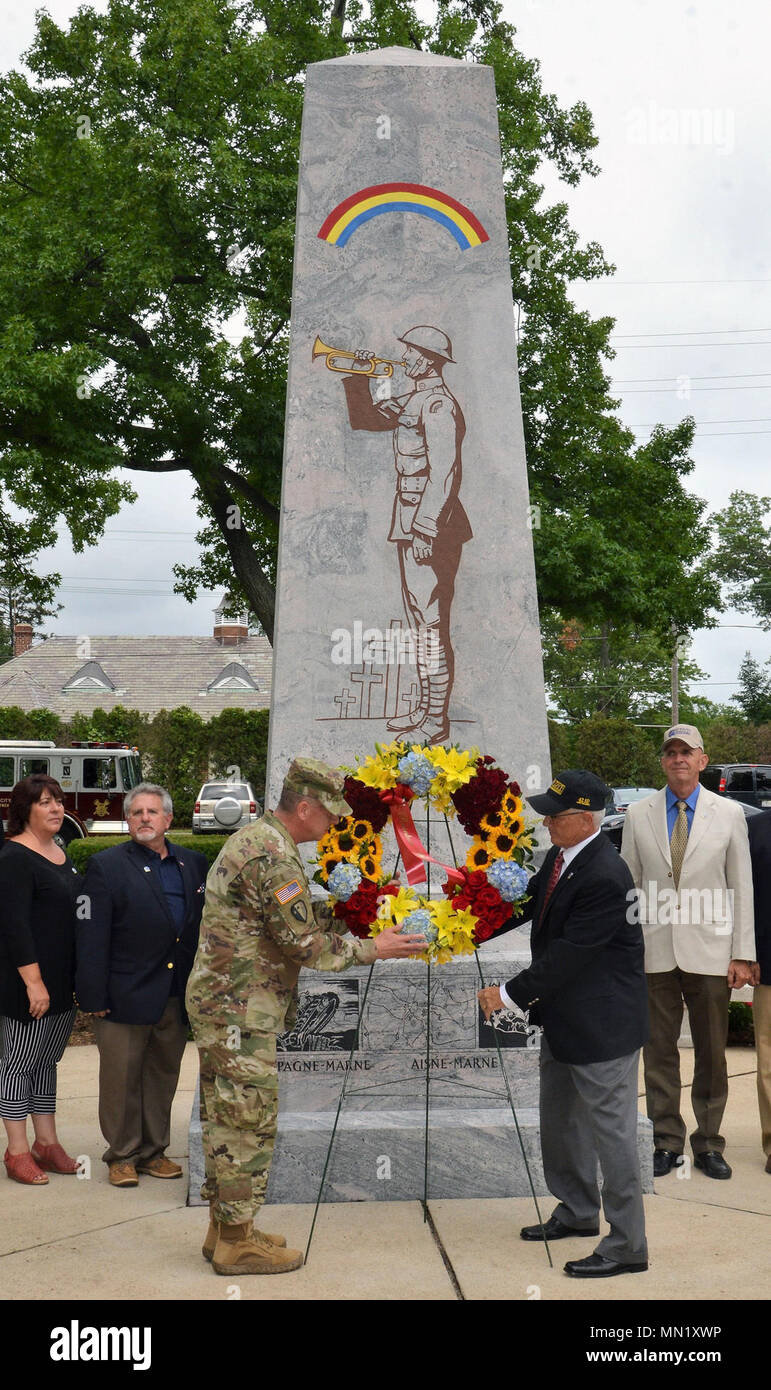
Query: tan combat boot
[[242, 1250], [207, 1249]]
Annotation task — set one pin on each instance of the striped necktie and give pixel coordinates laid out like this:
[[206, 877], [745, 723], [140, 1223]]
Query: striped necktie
[[679, 842], [556, 870]]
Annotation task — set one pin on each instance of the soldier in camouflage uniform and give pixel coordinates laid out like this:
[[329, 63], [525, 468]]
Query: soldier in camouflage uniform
[[259, 927]]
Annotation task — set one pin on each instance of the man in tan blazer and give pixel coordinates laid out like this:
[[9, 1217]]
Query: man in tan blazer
[[688, 853]]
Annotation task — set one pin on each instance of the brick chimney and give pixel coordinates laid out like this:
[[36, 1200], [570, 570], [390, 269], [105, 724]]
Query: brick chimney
[[22, 638]]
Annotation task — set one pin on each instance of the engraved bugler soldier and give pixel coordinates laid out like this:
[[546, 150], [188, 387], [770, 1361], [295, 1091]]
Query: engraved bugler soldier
[[429, 524]]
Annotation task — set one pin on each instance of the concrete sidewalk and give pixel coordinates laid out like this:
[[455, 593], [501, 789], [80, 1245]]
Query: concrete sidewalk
[[82, 1239]]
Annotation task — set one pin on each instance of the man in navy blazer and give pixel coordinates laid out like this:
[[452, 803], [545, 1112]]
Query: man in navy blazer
[[135, 948], [759, 828], [586, 988]]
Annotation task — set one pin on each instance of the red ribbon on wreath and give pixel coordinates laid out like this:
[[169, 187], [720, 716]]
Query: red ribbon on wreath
[[413, 852]]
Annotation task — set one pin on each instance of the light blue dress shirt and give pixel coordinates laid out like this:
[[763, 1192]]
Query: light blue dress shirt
[[690, 807]]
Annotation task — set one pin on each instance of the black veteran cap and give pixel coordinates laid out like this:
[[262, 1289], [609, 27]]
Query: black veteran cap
[[574, 790], [312, 777]]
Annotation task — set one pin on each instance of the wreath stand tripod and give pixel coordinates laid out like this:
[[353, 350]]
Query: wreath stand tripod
[[347, 1092]]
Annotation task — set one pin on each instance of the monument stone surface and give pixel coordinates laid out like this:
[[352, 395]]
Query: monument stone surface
[[406, 592], [402, 251]]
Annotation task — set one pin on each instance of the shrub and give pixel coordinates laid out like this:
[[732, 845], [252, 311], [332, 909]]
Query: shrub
[[741, 1025], [618, 752], [80, 851]]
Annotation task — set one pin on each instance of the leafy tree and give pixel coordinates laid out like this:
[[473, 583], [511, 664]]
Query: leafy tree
[[754, 694], [728, 742], [13, 722], [239, 738], [560, 745], [20, 724], [618, 752], [25, 595], [608, 670], [147, 200], [118, 725], [43, 723], [743, 554], [177, 745]]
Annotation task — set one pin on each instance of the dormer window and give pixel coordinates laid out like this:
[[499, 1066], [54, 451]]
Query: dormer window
[[88, 679], [233, 677]]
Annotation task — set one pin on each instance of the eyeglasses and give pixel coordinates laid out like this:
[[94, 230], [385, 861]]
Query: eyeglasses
[[560, 815]]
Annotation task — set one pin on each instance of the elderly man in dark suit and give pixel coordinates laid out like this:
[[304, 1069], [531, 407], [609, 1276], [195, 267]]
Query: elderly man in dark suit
[[759, 829], [586, 987], [135, 949]]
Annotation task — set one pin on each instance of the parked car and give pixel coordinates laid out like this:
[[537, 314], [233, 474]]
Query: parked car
[[614, 825], [746, 782], [222, 807], [621, 796]]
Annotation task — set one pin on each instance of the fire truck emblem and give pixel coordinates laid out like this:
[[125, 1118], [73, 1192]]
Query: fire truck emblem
[[102, 808]]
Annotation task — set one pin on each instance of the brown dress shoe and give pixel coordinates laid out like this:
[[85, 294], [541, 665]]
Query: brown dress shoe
[[160, 1167], [123, 1174], [212, 1235], [242, 1250]]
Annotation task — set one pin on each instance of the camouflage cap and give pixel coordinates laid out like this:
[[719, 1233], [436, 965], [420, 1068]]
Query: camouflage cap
[[312, 777]]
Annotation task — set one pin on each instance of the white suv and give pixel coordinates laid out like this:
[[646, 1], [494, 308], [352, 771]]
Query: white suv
[[222, 807]]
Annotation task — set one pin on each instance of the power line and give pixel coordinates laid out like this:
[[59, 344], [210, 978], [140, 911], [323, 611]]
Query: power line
[[117, 593], [688, 333], [610, 280], [647, 390], [760, 342], [114, 579], [723, 376], [734, 434], [705, 434], [735, 420]]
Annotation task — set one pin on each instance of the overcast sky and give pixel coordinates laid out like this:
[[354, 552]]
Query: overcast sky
[[679, 96]]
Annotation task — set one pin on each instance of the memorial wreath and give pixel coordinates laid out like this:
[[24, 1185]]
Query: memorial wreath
[[478, 897]]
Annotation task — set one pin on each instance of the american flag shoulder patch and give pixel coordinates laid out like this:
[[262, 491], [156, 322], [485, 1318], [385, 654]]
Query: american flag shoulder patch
[[288, 891]]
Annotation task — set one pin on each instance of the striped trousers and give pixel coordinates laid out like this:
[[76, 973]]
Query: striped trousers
[[28, 1067]]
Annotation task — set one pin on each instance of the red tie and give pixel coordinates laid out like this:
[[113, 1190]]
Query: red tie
[[556, 870]]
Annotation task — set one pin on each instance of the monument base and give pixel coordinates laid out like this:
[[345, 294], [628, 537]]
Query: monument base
[[378, 1155], [380, 1145]]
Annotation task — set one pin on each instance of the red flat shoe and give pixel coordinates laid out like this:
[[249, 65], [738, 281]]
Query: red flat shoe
[[53, 1158], [23, 1168]]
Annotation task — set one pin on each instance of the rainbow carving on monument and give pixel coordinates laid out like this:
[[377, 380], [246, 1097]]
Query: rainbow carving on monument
[[379, 198]]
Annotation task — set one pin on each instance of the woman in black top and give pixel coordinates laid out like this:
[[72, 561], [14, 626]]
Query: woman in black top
[[38, 889]]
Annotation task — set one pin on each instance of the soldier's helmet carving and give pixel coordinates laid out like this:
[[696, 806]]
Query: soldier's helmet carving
[[428, 339]]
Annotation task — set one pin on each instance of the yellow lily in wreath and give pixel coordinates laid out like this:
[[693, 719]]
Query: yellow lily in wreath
[[455, 768], [379, 770]]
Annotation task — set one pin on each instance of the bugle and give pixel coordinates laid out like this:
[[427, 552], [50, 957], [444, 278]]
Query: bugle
[[371, 366]]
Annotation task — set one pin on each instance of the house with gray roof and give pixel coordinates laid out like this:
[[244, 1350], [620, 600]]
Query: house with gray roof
[[76, 675]]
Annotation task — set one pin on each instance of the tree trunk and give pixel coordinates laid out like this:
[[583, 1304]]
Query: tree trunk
[[255, 583]]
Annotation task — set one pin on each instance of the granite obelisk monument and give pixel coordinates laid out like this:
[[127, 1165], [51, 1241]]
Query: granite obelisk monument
[[406, 597], [406, 585]]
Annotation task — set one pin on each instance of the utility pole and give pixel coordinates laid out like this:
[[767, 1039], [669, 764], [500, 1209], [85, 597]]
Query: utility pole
[[675, 674]]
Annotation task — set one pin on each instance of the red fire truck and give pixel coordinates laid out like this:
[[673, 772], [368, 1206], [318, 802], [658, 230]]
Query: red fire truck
[[93, 776]]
